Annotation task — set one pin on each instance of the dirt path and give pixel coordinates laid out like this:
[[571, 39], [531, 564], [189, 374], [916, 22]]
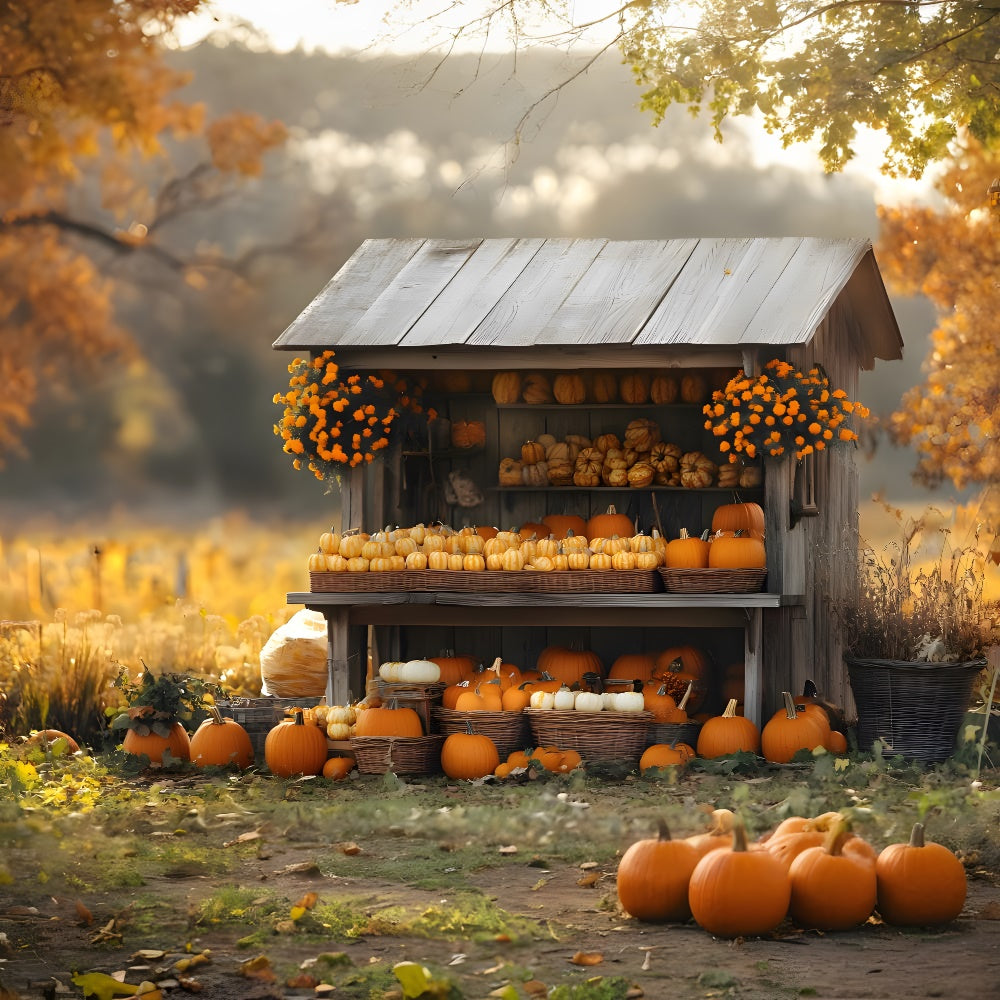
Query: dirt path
[[676, 962]]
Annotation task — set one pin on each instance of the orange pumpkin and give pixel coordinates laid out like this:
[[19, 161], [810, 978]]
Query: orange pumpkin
[[610, 523], [687, 552], [220, 742], [653, 877], [634, 387], [562, 525], [454, 668], [727, 734], [569, 388], [389, 720], [468, 433], [737, 551], [506, 387], [748, 517], [633, 666], [177, 742], [604, 387], [338, 768], [296, 748], [569, 665]]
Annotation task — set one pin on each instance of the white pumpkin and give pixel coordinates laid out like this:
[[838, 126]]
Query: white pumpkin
[[340, 713], [563, 699], [588, 701], [608, 698], [419, 672], [629, 701], [542, 699], [319, 715], [338, 731], [390, 671]]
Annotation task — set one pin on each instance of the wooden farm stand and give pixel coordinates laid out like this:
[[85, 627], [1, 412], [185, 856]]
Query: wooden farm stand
[[427, 307]]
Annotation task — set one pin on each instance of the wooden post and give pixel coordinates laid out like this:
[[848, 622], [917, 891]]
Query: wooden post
[[752, 665]]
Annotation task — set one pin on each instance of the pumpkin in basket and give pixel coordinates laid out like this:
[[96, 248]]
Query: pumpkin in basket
[[633, 666], [687, 552], [469, 755], [610, 523], [389, 720], [737, 551], [562, 525], [569, 665], [468, 433], [746, 517]]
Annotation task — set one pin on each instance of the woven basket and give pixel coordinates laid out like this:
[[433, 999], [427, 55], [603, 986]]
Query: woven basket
[[351, 583], [508, 730], [690, 580], [668, 732], [420, 697], [617, 736], [595, 581], [916, 708], [398, 754], [486, 581]]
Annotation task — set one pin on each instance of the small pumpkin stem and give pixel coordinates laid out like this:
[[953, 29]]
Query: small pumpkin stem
[[300, 718], [917, 835], [739, 835], [790, 711], [836, 835], [663, 831], [706, 534], [683, 533], [682, 704], [496, 665], [730, 712], [216, 715]]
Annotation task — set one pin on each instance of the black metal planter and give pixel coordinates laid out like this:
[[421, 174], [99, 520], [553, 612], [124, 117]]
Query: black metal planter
[[915, 708]]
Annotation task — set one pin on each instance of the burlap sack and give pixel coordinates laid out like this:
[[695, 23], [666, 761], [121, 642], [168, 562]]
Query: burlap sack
[[293, 660]]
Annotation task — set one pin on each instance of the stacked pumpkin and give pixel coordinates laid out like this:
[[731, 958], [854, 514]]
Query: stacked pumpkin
[[549, 758], [813, 870], [735, 541], [638, 458], [573, 388]]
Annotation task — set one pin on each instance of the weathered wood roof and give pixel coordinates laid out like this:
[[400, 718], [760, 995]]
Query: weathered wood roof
[[469, 298]]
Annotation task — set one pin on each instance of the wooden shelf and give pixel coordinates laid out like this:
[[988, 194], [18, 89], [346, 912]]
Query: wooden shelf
[[624, 489], [443, 452]]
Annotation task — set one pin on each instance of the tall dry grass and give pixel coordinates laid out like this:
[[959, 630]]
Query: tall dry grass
[[77, 603]]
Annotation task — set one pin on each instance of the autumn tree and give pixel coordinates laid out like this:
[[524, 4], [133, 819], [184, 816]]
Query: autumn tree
[[88, 102], [952, 256]]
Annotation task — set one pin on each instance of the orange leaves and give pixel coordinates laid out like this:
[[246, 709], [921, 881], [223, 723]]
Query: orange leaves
[[238, 141]]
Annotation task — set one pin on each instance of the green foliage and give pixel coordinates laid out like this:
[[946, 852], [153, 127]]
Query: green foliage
[[156, 702], [921, 72], [598, 988]]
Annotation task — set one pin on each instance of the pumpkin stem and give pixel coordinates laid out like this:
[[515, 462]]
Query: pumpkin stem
[[790, 710], [836, 835], [739, 835], [496, 665], [917, 835], [663, 831], [706, 534], [730, 712], [682, 704], [684, 533], [300, 718], [216, 715]]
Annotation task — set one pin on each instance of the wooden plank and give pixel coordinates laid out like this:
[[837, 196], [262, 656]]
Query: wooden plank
[[348, 294], [752, 663], [618, 293], [529, 304], [412, 289], [719, 292], [474, 290], [804, 292]]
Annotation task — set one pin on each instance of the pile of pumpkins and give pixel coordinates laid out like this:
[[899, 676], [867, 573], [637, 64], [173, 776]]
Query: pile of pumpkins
[[605, 541], [572, 388], [814, 871], [637, 458]]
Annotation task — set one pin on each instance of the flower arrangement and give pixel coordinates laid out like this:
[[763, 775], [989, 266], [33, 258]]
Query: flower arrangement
[[156, 701], [781, 410], [332, 420]]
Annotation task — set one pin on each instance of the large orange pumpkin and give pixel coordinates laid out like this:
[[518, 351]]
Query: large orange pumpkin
[[455, 669], [653, 877], [569, 665], [561, 525], [153, 746], [610, 523], [748, 517], [633, 667], [220, 742], [292, 747]]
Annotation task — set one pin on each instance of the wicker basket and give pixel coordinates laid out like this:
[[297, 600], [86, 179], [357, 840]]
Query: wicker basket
[[422, 698], [351, 583], [595, 581], [398, 754], [669, 732], [685, 580], [617, 736], [258, 716], [916, 708], [508, 730]]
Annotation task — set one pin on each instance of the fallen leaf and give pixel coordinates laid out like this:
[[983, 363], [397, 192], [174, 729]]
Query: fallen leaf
[[991, 911], [148, 954], [244, 838], [534, 988], [508, 849], [103, 986], [350, 848], [647, 962], [303, 981], [188, 984], [308, 868], [86, 917], [587, 958], [588, 865], [308, 901], [457, 959], [592, 878], [258, 968]]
